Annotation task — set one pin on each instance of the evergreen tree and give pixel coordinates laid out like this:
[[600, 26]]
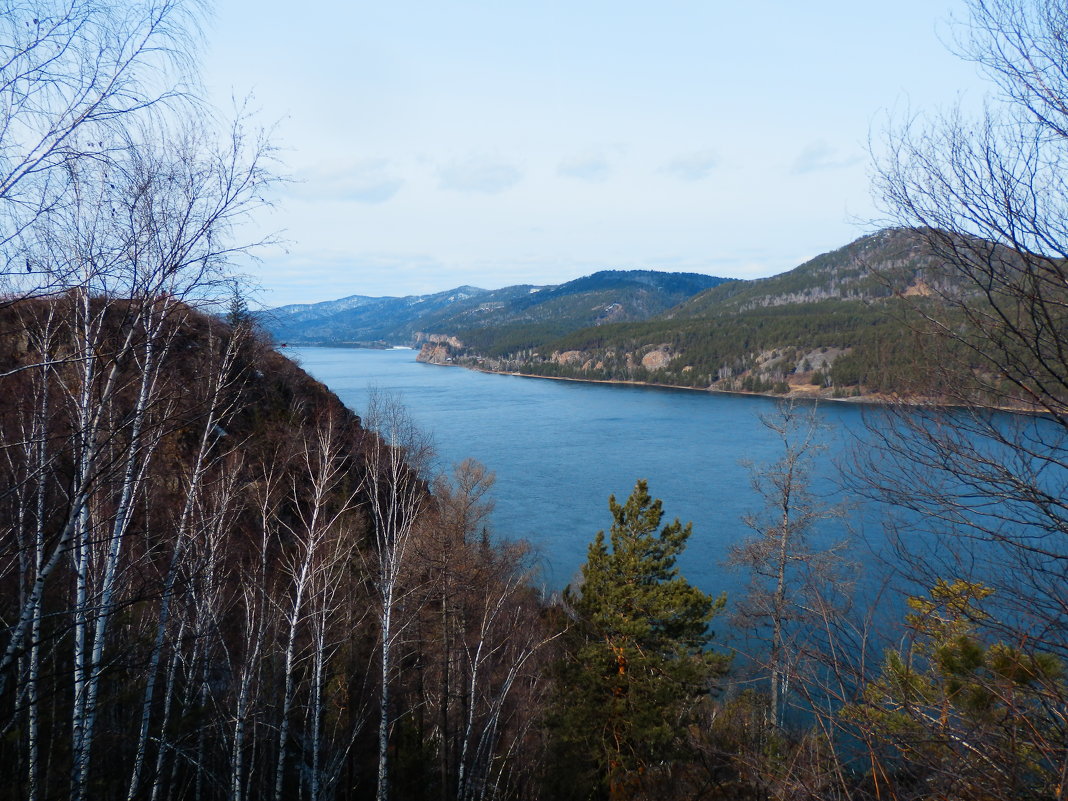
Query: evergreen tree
[[959, 715], [238, 315], [638, 663]]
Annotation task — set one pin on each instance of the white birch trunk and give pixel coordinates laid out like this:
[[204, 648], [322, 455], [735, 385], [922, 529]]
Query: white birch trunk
[[182, 534], [396, 455], [290, 655], [382, 792], [316, 705], [33, 766], [81, 557]]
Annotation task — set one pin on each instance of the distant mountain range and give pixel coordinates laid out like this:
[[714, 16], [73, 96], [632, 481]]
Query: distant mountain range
[[606, 296], [831, 326]]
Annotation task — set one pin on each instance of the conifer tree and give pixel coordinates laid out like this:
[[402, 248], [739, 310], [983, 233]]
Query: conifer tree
[[959, 715], [638, 662]]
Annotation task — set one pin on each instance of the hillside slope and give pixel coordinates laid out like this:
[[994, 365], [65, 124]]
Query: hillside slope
[[212, 519], [835, 325], [872, 268]]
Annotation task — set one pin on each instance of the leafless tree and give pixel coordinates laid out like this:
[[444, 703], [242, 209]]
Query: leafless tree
[[789, 576], [982, 494], [73, 76], [321, 543], [462, 507], [990, 199], [483, 632], [396, 461]]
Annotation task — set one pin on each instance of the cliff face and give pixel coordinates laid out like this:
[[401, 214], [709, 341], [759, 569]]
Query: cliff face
[[439, 339], [439, 348], [434, 353], [657, 359]]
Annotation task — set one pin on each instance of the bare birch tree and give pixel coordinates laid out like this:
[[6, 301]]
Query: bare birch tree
[[73, 75], [987, 491], [322, 544], [193, 520], [395, 461], [484, 633]]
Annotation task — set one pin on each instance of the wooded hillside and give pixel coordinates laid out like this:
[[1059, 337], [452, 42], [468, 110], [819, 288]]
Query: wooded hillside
[[194, 562], [849, 323]]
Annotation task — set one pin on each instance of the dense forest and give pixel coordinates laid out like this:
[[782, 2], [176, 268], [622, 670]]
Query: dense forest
[[757, 351], [217, 582]]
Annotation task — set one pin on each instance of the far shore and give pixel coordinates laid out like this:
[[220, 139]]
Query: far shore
[[871, 399], [875, 400], [797, 392]]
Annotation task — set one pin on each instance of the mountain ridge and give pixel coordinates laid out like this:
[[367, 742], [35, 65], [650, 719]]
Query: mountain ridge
[[606, 295], [831, 327]]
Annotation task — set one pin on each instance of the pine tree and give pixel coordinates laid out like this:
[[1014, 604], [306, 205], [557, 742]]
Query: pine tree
[[238, 315], [960, 715], [638, 663]]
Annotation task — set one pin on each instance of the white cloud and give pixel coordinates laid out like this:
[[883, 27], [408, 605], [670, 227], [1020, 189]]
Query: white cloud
[[368, 181], [591, 167], [691, 166], [478, 174], [819, 156]]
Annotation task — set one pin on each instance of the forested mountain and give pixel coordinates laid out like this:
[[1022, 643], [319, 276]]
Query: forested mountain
[[843, 324], [606, 296], [364, 320], [872, 268]]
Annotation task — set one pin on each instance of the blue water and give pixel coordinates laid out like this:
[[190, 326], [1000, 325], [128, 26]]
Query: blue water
[[559, 449]]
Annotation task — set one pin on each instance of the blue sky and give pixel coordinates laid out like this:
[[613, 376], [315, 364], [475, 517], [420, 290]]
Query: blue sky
[[435, 144]]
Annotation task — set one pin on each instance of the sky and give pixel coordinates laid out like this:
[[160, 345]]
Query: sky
[[435, 144]]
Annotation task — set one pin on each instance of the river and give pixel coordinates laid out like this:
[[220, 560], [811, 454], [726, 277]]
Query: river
[[559, 449]]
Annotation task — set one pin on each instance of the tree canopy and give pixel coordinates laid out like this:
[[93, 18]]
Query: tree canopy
[[638, 662]]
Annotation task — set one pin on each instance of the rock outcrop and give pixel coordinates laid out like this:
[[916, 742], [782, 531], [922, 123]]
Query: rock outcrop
[[657, 359]]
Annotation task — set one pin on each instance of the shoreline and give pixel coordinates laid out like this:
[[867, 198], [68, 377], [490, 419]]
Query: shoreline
[[871, 400], [875, 400], [864, 400]]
